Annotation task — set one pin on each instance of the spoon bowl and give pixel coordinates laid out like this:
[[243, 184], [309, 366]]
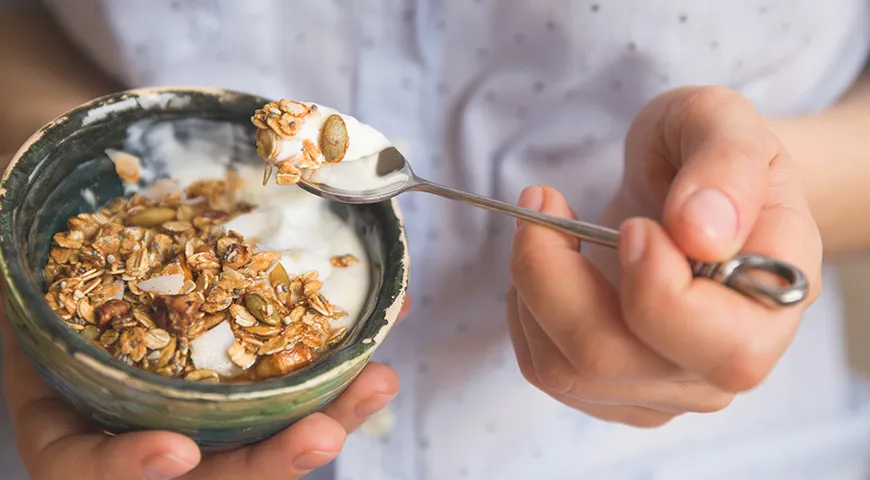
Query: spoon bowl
[[388, 172]]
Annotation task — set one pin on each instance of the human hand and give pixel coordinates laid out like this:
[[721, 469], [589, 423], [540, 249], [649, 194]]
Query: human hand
[[664, 343], [56, 443]]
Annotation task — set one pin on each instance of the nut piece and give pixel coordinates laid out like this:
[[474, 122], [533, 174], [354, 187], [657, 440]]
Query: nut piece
[[334, 141], [175, 313], [284, 362], [111, 310], [343, 261], [203, 376], [127, 166]]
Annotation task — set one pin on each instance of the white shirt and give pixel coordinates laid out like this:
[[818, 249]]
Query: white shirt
[[491, 96]]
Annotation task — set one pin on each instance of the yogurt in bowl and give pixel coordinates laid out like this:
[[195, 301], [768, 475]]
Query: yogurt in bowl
[[181, 136]]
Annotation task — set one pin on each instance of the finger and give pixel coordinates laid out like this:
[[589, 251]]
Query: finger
[[636, 416], [134, 456], [518, 338], [53, 440], [698, 324], [306, 445], [574, 304], [373, 389], [721, 149], [406, 309], [23, 387], [555, 376], [639, 417]]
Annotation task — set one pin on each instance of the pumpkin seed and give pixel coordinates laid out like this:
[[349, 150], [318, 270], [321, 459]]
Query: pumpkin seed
[[90, 332], [151, 217], [263, 330], [279, 279], [333, 139], [261, 309]]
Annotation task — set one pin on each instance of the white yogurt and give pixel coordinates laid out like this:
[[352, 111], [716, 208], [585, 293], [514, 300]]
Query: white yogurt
[[356, 176], [287, 219]]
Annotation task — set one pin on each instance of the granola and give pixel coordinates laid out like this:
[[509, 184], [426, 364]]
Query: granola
[[299, 138], [145, 279]]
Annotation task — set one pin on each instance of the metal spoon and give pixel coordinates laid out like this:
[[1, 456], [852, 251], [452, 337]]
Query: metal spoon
[[393, 176]]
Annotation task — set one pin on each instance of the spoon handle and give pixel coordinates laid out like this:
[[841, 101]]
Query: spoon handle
[[736, 273]]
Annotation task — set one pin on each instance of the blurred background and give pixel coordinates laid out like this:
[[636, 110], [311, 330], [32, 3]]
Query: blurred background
[[854, 273]]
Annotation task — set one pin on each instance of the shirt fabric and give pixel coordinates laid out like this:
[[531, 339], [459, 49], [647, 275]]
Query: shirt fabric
[[491, 96]]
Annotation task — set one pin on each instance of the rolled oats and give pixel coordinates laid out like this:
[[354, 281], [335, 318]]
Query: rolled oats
[[143, 277]]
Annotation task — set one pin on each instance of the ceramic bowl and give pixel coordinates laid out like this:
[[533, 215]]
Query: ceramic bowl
[[42, 188]]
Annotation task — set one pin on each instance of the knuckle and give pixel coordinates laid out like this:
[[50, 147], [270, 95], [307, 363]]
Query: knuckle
[[647, 305], [527, 369], [648, 419], [706, 100], [713, 403], [742, 372], [524, 259], [554, 379], [598, 363]]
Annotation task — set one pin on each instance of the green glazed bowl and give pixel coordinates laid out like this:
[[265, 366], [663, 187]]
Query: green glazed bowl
[[42, 188]]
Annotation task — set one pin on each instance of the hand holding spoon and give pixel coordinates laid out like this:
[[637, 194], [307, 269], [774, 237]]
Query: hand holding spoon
[[382, 172]]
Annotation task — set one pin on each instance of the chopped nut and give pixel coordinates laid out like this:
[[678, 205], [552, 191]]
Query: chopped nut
[[175, 313], [284, 362], [342, 261], [204, 376], [127, 166], [113, 309]]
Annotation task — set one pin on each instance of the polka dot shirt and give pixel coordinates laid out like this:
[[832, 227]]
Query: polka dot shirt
[[490, 97]]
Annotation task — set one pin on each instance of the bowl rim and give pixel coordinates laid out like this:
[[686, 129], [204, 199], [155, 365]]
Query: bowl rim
[[46, 323]]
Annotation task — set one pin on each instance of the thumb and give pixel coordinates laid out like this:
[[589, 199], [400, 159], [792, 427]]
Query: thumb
[[722, 181]]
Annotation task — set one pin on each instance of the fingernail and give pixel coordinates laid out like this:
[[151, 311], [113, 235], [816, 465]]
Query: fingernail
[[632, 243], [713, 213], [311, 460], [531, 198], [165, 467], [371, 406]]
